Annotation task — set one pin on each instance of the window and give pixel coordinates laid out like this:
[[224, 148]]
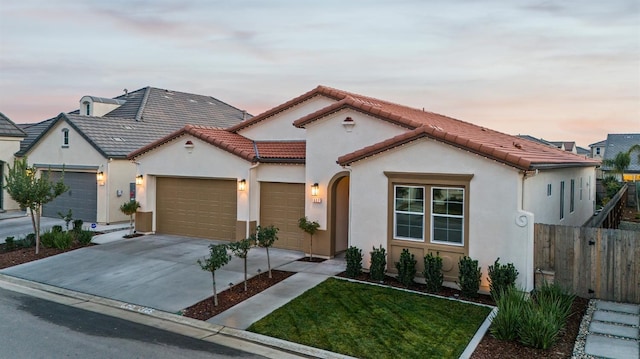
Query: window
[[561, 199], [572, 196], [549, 190], [597, 150], [409, 213], [581, 188], [65, 137], [87, 108], [447, 215]]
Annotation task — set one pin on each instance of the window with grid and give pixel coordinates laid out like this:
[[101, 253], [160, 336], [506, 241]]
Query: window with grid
[[447, 215], [409, 213]]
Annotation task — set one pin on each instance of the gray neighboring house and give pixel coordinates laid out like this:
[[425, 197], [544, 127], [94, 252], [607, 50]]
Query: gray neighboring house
[[91, 145], [598, 149], [616, 143], [569, 146], [10, 137]]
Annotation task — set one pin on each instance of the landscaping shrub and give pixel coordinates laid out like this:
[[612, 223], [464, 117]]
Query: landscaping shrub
[[56, 229], [469, 276], [9, 244], [28, 241], [83, 237], [506, 323], [406, 268], [46, 239], [539, 327], [67, 218], [354, 261], [556, 300], [501, 277], [433, 276], [77, 225], [378, 264], [62, 240]]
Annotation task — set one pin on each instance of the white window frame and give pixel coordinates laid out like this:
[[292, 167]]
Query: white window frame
[[433, 215], [65, 137], [396, 212]]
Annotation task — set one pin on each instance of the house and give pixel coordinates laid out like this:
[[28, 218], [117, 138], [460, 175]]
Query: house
[[372, 173], [10, 137], [569, 146], [623, 142], [91, 145]]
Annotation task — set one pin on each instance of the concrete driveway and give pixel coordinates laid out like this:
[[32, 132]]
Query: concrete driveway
[[155, 271]]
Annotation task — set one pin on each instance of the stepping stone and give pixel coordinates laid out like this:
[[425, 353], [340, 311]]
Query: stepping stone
[[614, 317], [601, 346], [618, 307], [612, 329]]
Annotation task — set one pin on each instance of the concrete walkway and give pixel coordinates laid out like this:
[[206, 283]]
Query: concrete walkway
[[614, 331], [307, 276]]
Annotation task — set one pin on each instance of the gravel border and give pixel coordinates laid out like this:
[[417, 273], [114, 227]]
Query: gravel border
[[581, 339]]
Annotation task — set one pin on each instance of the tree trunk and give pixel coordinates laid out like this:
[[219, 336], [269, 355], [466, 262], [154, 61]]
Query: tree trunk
[[130, 225], [35, 229], [245, 274], [310, 248], [215, 293], [269, 263]]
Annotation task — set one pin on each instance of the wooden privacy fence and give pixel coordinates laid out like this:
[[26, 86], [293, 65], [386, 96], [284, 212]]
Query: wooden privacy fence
[[593, 262]]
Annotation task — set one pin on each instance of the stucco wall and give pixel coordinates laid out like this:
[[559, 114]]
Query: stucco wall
[[327, 140], [204, 161], [8, 146], [115, 192], [279, 126], [497, 228], [547, 208]]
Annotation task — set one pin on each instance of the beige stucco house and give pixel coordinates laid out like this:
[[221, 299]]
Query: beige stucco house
[[371, 173], [10, 137], [91, 144]]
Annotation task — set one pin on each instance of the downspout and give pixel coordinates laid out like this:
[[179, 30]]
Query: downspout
[[522, 221], [348, 168], [107, 185]]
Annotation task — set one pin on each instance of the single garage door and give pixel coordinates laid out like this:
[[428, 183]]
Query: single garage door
[[281, 205], [194, 207], [81, 198]]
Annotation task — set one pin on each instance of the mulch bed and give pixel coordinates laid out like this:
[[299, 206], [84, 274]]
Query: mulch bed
[[312, 260], [205, 309]]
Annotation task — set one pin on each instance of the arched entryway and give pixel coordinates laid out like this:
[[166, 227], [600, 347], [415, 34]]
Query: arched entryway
[[339, 213]]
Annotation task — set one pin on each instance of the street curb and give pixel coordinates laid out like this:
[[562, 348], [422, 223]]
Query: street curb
[[262, 345]]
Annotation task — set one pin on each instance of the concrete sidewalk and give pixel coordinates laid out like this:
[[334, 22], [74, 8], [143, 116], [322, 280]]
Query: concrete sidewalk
[[614, 331]]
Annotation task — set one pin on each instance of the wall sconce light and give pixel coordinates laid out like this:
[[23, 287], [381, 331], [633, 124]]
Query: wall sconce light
[[139, 179], [315, 189], [189, 146], [242, 185], [100, 176]]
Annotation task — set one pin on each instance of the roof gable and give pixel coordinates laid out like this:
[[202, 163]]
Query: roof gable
[[622, 143], [252, 151], [9, 129]]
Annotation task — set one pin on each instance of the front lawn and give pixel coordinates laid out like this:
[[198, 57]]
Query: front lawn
[[369, 321]]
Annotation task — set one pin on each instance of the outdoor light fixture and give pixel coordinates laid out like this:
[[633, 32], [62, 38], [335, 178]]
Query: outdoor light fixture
[[242, 185], [348, 124], [139, 179], [100, 176], [315, 189]]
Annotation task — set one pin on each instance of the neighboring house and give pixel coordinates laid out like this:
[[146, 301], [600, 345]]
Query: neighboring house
[[10, 137], [91, 145], [598, 149], [569, 146], [371, 173], [617, 143]]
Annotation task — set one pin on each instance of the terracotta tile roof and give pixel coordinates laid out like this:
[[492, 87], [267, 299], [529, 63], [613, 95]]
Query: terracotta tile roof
[[253, 151], [525, 155]]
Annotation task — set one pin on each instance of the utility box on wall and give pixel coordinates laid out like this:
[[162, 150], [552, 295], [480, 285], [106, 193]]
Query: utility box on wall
[[132, 191]]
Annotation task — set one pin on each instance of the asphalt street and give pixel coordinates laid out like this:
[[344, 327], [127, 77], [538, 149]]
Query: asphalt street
[[36, 328]]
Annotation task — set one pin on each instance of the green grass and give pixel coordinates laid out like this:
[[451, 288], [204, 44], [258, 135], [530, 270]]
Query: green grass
[[368, 321]]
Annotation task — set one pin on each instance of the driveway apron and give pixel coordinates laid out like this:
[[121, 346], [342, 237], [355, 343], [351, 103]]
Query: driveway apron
[[155, 271]]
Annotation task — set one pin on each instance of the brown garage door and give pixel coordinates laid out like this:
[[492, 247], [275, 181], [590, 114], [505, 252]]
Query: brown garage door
[[281, 205], [194, 207]]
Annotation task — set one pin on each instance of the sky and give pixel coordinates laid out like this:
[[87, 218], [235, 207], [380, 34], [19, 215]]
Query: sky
[[558, 70]]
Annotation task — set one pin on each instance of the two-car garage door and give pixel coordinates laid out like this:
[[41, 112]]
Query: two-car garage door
[[195, 207], [207, 208]]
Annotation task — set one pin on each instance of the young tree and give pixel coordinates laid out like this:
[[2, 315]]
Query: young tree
[[310, 227], [265, 237], [32, 192], [129, 208], [218, 257], [241, 250]]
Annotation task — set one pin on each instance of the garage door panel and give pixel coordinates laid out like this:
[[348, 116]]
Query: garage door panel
[[82, 197], [281, 205], [196, 207]]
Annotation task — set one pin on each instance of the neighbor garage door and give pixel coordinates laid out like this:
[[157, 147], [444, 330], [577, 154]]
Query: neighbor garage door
[[193, 207], [281, 205], [81, 198]]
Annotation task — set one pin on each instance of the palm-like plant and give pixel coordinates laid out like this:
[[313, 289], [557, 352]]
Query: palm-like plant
[[622, 160]]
